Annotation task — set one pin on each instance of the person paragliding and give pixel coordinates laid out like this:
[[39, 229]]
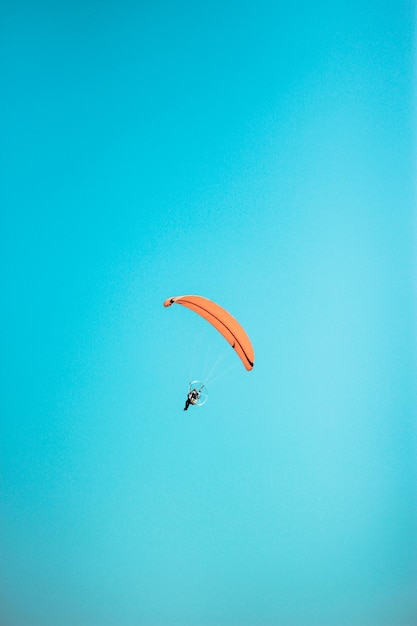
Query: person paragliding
[[197, 394], [192, 398], [227, 326]]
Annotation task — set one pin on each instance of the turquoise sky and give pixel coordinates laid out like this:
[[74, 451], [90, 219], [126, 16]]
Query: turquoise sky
[[261, 154]]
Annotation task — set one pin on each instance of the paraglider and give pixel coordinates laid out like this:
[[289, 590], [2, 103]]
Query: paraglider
[[192, 398], [227, 326], [197, 394]]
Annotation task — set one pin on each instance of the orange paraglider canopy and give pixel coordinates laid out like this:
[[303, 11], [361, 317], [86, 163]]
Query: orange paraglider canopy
[[225, 323]]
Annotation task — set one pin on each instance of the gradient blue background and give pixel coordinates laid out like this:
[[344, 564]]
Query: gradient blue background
[[261, 154]]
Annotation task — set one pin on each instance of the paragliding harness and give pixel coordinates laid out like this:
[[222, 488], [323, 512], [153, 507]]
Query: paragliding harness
[[192, 398], [197, 394]]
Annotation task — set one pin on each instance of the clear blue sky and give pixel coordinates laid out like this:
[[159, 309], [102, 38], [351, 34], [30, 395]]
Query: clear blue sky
[[261, 154]]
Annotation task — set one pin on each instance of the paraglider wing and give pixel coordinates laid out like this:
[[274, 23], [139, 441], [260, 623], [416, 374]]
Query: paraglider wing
[[225, 323]]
